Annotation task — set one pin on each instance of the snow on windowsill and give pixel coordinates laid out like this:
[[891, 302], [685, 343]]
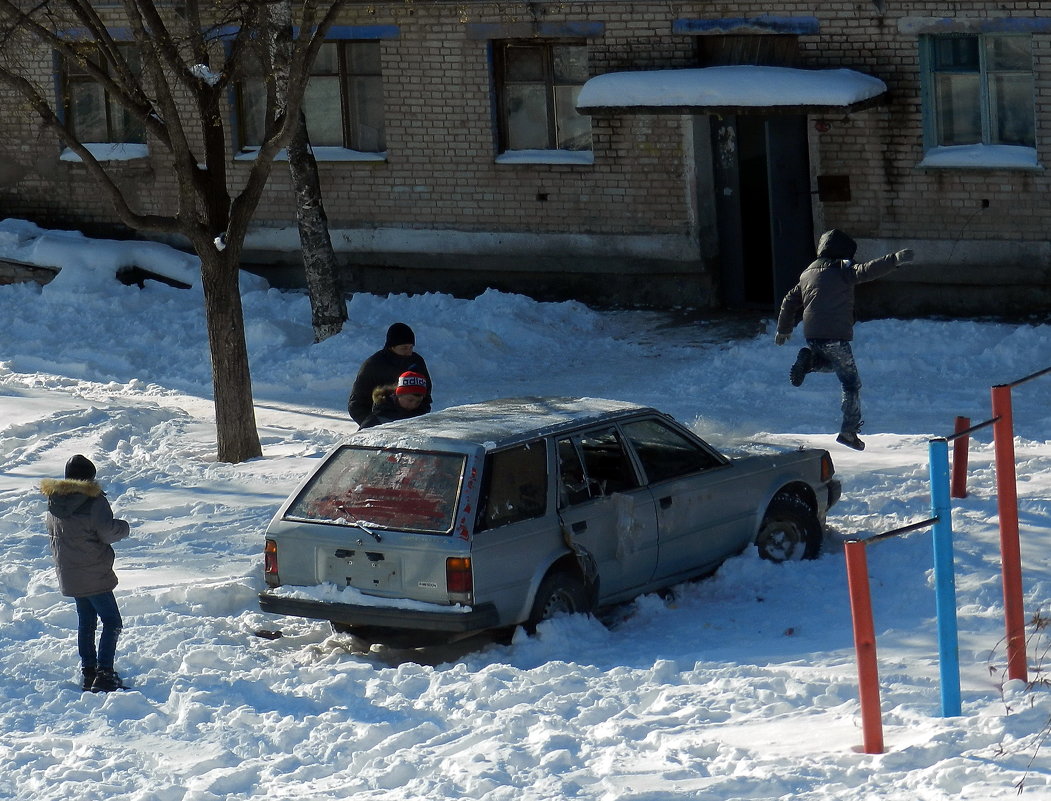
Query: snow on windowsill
[[320, 154], [585, 157], [987, 157], [109, 151]]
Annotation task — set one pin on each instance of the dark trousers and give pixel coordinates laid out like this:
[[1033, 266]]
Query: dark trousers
[[91, 609], [835, 356]]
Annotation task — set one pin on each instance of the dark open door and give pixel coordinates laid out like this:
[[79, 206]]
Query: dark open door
[[727, 186], [791, 216], [761, 175]]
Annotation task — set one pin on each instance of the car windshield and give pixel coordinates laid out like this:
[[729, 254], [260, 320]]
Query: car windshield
[[383, 488]]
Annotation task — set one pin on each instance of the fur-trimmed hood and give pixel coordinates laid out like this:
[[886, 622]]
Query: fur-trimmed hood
[[82, 529], [66, 496], [383, 394]]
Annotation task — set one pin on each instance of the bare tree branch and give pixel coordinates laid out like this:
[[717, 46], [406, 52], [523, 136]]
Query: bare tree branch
[[190, 54], [126, 89], [146, 222]]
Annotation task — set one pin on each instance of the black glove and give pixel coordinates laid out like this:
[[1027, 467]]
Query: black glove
[[780, 339], [903, 256]]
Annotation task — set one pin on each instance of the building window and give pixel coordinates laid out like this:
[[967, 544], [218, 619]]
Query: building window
[[343, 100], [978, 90], [537, 86], [92, 115]]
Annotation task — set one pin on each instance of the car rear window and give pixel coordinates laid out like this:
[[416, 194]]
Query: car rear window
[[384, 488]]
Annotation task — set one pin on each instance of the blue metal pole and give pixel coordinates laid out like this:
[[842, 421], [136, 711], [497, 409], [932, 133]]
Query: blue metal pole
[[944, 578]]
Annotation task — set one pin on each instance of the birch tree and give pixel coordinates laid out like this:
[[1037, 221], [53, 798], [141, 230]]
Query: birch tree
[[327, 305]]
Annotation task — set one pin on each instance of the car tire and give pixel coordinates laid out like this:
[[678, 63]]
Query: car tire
[[560, 592], [790, 530]]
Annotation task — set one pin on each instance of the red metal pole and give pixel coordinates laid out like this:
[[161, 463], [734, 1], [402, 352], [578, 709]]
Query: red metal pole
[[959, 458], [864, 646], [1010, 552]]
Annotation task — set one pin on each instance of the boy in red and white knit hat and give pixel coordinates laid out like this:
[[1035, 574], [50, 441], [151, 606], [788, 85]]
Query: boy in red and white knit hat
[[398, 402], [411, 383]]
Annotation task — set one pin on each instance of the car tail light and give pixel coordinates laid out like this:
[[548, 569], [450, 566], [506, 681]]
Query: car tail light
[[828, 469], [459, 579], [270, 564]]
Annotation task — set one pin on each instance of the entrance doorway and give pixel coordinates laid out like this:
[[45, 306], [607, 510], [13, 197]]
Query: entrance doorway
[[761, 175]]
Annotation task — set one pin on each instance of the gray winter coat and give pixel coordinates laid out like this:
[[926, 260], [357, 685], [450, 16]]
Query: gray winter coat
[[82, 528], [824, 296]]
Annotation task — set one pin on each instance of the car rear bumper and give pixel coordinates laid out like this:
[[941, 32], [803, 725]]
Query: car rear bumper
[[835, 490], [478, 618]]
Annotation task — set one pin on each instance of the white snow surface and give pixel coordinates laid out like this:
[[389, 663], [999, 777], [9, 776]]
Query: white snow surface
[[739, 687], [730, 86]]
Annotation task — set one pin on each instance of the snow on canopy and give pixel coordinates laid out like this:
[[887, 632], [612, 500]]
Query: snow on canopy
[[729, 87]]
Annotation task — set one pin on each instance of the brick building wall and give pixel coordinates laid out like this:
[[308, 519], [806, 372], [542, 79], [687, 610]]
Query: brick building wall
[[441, 212]]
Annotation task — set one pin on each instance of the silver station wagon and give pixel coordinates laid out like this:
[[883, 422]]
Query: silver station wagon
[[504, 513]]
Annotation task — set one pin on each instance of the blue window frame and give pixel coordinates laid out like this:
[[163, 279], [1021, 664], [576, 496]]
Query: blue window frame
[[978, 90]]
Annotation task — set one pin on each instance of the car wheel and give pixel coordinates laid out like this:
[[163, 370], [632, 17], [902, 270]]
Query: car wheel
[[790, 531], [560, 593]]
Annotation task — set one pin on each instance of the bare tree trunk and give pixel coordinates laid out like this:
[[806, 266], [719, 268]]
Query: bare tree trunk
[[328, 308], [327, 304], [238, 439]]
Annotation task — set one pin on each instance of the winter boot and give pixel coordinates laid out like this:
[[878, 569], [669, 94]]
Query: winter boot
[[106, 681], [851, 440], [804, 361], [87, 679]]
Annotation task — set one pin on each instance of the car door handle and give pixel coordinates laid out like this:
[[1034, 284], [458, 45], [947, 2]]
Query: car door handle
[[580, 525], [666, 502]]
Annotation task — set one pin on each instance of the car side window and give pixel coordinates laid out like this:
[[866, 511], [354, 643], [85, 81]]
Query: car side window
[[572, 483], [665, 453], [515, 485], [592, 465]]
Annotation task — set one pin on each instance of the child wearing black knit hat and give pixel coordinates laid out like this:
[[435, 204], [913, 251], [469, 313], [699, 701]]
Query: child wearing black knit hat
[[82, 530]]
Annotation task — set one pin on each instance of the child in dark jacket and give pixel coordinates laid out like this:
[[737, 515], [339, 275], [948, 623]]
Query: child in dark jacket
[[824, 301], [381, 371], [82, 529], [399, 401]]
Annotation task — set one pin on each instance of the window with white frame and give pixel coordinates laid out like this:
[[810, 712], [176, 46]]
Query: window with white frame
[[91, 113], [537, 84], [978, 90], [343, 102]]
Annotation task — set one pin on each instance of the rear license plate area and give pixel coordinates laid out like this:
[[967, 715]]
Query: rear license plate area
[[369, 571]]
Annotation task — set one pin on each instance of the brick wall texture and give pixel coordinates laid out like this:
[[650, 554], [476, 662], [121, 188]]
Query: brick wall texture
[[441, 173]]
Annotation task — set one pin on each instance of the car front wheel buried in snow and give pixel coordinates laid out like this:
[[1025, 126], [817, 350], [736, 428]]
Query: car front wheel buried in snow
[[790, 530]]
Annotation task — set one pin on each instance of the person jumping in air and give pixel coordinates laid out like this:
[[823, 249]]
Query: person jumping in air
[[824, 300]]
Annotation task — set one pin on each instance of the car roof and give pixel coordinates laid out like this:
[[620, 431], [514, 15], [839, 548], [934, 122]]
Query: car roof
[[495, 423]]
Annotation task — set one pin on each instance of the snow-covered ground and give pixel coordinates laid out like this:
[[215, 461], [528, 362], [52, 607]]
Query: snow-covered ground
[[742, 686]]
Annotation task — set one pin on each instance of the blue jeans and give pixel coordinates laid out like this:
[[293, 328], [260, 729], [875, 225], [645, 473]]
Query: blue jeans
[[835, 356], [91, 609]]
